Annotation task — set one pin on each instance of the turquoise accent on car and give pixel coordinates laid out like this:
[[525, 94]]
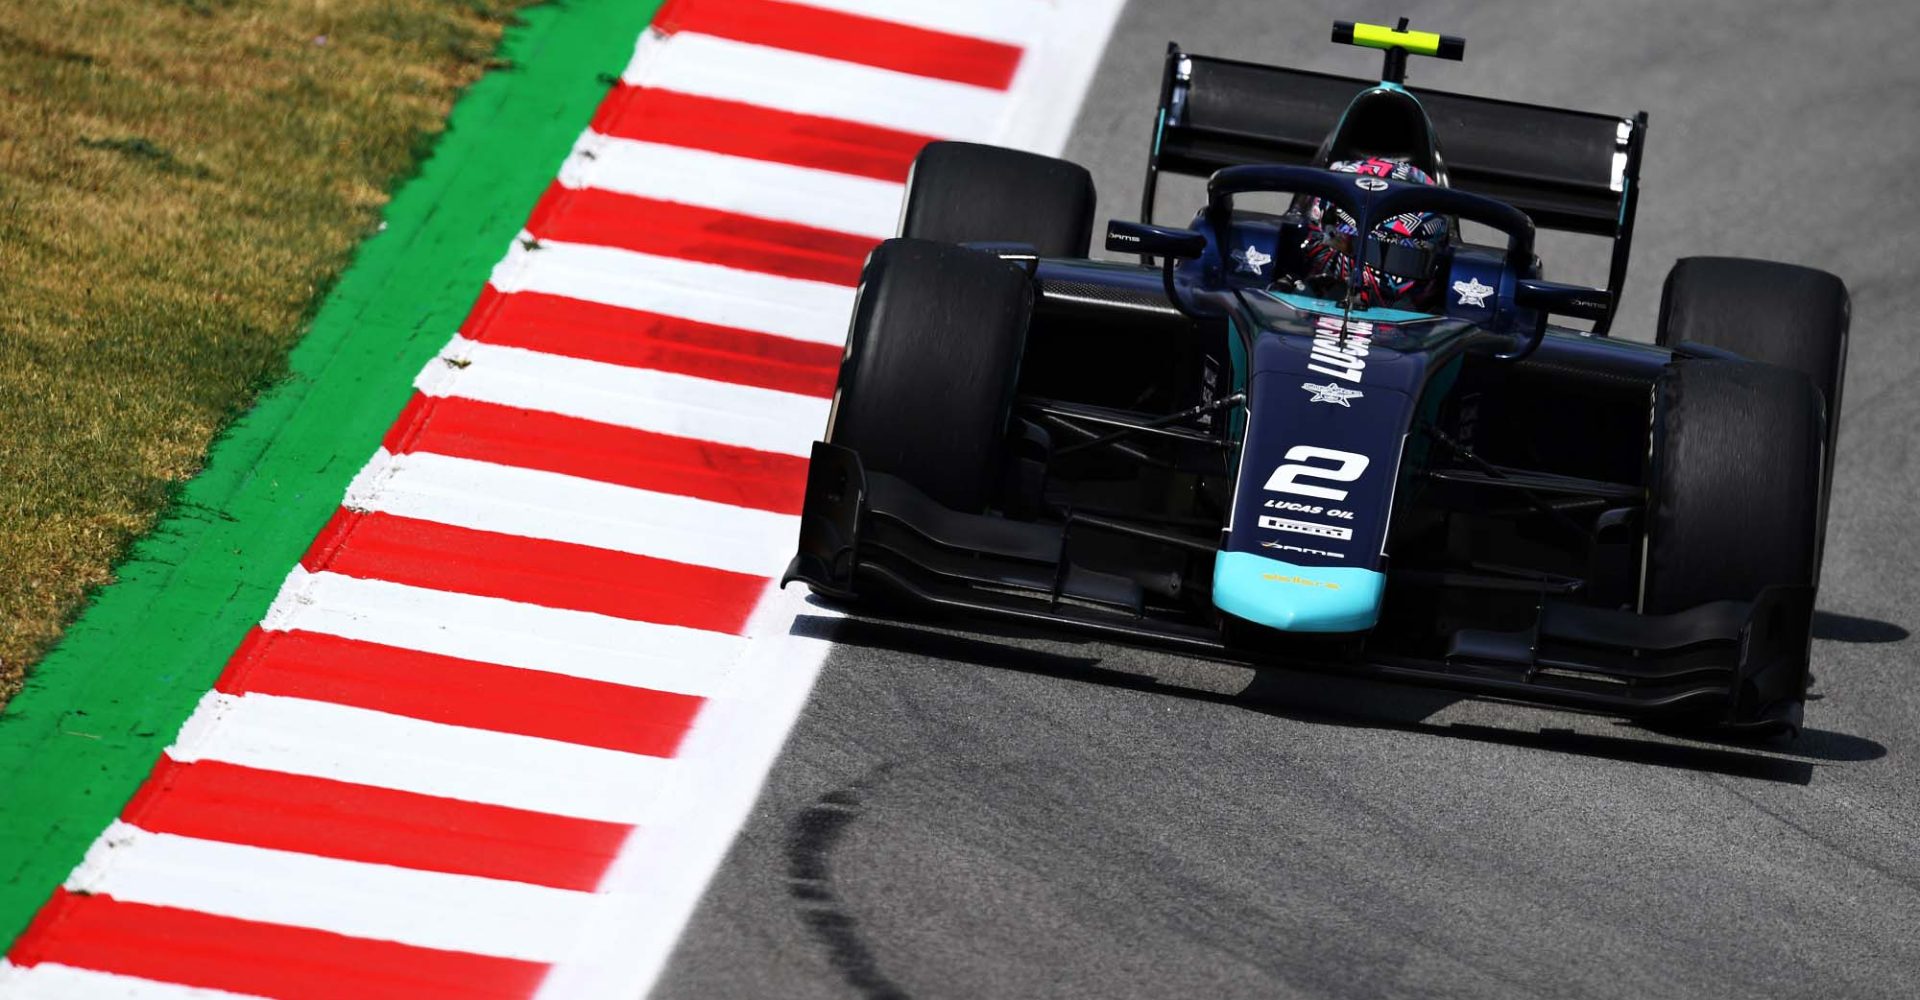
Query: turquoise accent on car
[[1242, 365], [1292, 598], [1328, 307]]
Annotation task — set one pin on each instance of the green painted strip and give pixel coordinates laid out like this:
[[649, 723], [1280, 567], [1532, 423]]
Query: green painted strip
[[93, 717]]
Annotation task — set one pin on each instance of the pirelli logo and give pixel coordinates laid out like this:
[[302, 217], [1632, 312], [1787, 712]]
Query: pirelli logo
[[1306, 528]]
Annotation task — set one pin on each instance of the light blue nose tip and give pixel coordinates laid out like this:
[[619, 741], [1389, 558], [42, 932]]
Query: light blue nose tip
[[1292, 598]]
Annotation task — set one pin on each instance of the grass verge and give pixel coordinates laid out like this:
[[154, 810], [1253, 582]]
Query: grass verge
[[180, 183]]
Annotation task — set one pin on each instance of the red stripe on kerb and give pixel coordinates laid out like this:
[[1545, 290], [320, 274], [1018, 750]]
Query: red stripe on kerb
[[534, 571], [847, 37], [555, 324], [646, 114], [690, 232], [535, 439], [289, 812], [244, 956], [458, 692]]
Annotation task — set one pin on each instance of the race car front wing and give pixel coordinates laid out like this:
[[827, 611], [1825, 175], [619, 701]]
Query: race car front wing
[[876, 538]]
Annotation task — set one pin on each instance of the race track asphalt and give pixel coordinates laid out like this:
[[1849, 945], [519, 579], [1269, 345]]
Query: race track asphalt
[[973, 816]]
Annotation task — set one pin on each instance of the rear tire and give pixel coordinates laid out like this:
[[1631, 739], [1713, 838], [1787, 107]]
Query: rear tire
[[1783, 314], [1735, 500], [927, 382], [962, 192]]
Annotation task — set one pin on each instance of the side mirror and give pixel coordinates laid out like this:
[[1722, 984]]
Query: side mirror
[[1546, 298], [1170, 245], [1576, 301], [1157, 241]]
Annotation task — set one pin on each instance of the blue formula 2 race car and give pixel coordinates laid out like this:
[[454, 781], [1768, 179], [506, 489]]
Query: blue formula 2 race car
[[1338, 435]]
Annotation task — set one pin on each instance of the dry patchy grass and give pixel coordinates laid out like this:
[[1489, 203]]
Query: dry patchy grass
[[180, 181]]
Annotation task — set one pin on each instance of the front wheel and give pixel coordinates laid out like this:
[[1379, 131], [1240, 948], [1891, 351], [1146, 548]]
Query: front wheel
[[927, 384], [1734, 497], [1783, 314]]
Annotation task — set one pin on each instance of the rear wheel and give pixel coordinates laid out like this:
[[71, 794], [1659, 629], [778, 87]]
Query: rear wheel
[[1734, 495], [1783, 314], [927, 383], [962, 192]]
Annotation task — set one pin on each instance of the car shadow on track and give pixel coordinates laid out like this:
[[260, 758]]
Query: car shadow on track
[[1836, 627], [1330, 699]]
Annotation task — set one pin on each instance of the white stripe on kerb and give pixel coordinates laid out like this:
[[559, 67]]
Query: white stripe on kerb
[[534, 504], [721, 68], [819, 198], [422, 908], [641, 398], [508, 633], [323, 740], [815, 311], [53, 981]]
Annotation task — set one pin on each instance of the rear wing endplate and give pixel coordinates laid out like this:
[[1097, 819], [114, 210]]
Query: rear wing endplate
[[1574, 171]]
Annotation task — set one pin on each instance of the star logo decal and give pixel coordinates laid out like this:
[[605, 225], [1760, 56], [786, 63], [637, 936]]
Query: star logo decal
[[1331, 393], [1251, 260], [1472, 292]]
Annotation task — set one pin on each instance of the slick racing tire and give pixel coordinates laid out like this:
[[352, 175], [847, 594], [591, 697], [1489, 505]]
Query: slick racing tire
[[1734, 489], [1783, 314], [927, 383], [961, 192]]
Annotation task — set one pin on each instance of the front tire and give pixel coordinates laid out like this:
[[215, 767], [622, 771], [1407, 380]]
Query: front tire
[[927, 383], [1782, 314], [1734, 498]]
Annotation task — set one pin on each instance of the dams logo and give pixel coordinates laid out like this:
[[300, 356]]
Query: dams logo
[[1300, 581]]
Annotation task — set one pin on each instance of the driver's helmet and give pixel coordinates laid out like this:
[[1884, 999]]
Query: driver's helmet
[[1334, 240]]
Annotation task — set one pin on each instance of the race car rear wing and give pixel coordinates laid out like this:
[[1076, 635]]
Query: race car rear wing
[[1574, 171]]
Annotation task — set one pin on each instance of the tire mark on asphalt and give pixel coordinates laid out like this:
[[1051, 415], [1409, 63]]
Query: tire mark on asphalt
[[1825, 842], [811, 839]]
